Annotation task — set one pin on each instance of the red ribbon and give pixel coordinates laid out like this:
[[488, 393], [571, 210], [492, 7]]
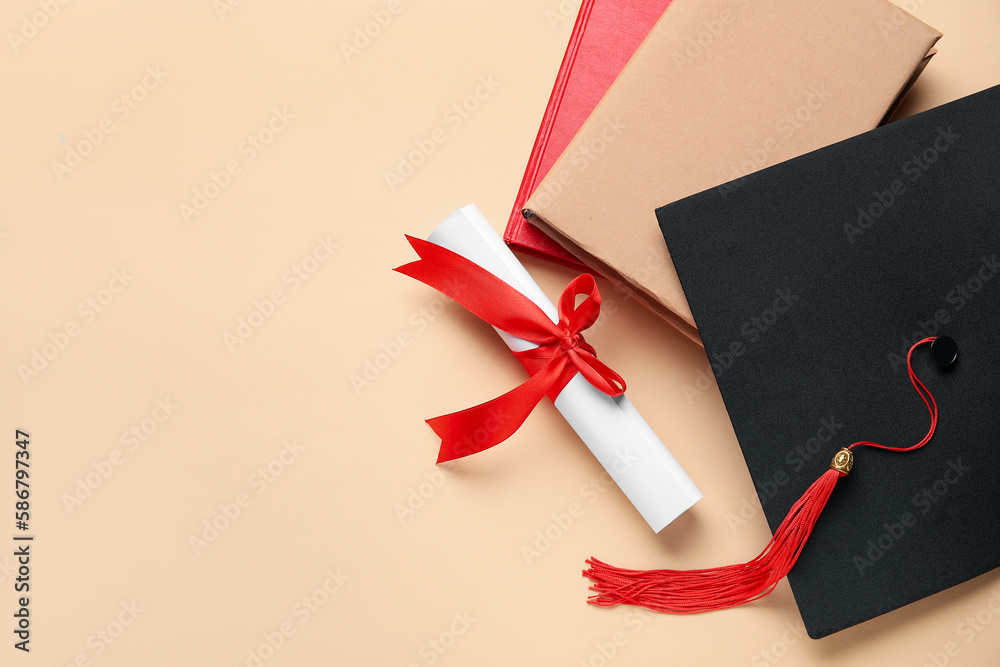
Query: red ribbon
[[560, 355]]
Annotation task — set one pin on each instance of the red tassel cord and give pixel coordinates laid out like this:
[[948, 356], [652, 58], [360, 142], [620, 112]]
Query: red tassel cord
[[695, 591]]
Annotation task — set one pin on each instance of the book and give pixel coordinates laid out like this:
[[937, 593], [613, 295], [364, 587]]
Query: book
[[719, 89], [605, 35]]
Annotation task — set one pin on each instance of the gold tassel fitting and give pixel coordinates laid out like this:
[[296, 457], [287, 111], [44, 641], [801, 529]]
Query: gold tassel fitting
[[843, 461]]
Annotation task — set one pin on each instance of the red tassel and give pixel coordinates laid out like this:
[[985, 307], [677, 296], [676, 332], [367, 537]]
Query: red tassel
[[694, 591]]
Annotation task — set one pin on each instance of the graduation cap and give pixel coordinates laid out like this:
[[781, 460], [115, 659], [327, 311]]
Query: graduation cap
[[826, 290]]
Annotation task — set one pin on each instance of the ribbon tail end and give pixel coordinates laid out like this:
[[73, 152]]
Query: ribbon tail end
[[446, 452], [444, 457]]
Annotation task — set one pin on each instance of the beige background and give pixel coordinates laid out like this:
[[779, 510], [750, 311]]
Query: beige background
[[401, 583]]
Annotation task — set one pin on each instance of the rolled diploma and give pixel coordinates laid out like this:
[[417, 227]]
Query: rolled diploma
[[610, 427]]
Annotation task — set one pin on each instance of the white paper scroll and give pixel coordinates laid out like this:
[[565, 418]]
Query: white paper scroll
[[611, 427]]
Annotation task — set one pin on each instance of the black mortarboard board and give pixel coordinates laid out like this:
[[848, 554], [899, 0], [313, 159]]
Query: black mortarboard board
[[809, 281]]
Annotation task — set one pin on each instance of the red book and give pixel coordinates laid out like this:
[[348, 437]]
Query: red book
[[606, 34]]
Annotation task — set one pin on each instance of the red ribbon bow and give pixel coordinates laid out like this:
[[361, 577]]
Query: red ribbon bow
[[560, 355]]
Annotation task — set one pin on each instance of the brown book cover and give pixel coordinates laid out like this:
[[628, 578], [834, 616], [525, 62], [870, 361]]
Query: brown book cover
[[719, 89]]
